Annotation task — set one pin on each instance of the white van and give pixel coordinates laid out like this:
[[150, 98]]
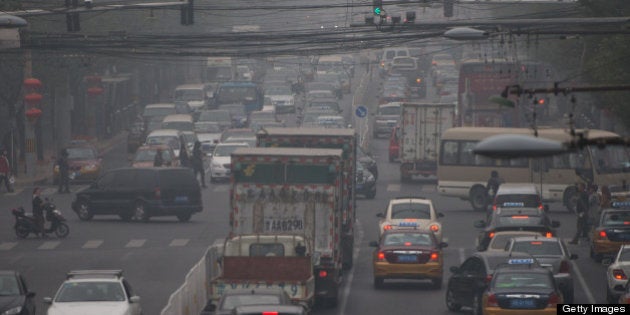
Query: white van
[[181, 122], [172, 137], [196, 95], [389, 54]]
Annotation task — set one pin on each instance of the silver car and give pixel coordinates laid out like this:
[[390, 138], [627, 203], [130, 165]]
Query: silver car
[[552, 253], [617, 274]]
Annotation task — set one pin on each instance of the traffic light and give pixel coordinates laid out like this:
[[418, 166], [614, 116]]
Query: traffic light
[[186, 11], [377, 7]]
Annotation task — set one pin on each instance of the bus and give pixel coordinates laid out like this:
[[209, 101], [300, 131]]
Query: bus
[[463, 174], [480, 79], [244, 92]]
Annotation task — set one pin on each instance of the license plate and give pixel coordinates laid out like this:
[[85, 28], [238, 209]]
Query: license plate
[[407, 258], [181, 199], [522, 303]]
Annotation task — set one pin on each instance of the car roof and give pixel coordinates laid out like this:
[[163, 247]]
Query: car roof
[[165, 132], [191, 86], [517, 188], [400, 200], [154, 146], [390, 104], [540, 238], [177, 117]]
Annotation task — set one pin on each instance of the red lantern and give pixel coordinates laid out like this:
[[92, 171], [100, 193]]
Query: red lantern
[[94, 91], [32, 98], [33, 114], [93, 79], [32, 83]]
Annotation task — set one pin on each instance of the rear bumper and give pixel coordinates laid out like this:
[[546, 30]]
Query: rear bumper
[[502, 311], [430, 270]]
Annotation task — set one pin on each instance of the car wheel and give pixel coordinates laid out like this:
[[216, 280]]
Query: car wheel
[[436, 283], [83, 211], [476, 306], [450, 301], [184, 217], [478, 198], [378, 282], [140, 212]]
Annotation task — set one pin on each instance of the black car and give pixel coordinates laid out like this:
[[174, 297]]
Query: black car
[[515, 219], [470, 280], [366, 183], [141, 193], [15, 298]]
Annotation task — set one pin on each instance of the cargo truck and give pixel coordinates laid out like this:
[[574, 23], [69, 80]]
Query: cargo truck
[[285, 218], [421, 127], [344, 139]]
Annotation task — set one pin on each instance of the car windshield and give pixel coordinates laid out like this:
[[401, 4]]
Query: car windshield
[[390, 110], [407, 239], [500, 240], [178, 125], [171, 141], [617, 218], [189, 95], [235, 109], [90, 292], [81, 154], [158, 111], [237, 134], [9, 285], [228, 94], [538, 248], [226, 150], [218, 115], [147, 155], [522, 280], [232, 301], [278, 90], [411, 211], [207, 127], [518, 220]]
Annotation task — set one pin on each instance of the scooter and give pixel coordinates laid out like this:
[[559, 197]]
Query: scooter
[[26, 223]]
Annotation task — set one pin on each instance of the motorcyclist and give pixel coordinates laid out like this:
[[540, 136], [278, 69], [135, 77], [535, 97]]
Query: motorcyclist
[[38, 211]]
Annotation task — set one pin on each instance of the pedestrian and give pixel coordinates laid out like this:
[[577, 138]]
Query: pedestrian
[[581, 209], [5, 171], [594, 206], [184, 160], [197, 163], [64, 172], [492, 186], [158, 160], [606, 198], [38, 211]]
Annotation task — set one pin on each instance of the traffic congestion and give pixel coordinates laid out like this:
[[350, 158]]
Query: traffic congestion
[[343, 182]]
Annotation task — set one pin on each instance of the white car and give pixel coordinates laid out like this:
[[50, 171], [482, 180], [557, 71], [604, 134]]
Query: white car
[[221, 163], [94, 292], [502, 238], [617, 274], [411, 213]]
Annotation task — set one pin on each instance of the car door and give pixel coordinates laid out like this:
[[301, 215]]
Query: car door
[[99, 193]]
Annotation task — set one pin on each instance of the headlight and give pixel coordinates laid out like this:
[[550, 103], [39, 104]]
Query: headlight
[[14, 311]]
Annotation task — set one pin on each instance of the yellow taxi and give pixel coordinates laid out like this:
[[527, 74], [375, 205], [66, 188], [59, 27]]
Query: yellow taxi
[[612, 230], [408, 254], [521, 287]]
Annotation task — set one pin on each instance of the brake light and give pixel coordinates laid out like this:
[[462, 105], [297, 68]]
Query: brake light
[[387, 227], [520, 217], [553, 301], [269, 313], [540, 207], [492, 300], [536, 243], [619, 274], [494, 207], [627, 299], [602, 234], [626, 222], [157, 193], [418, 80], [565, 267], [488, 279], [407, 243], [491, 235], [380, 256], [548, 235], [323, 273], [434, 227], [434, 256]]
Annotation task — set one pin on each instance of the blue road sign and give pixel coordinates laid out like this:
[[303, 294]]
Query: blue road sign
[[361, 111]]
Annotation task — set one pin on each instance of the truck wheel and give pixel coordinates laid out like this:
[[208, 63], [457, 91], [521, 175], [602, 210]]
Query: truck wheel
[[378, 282], [478, 197]]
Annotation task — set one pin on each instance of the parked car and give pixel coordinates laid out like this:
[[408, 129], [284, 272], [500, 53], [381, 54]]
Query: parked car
[[15, 297], [141, 193], [84, 161], [94, 292]]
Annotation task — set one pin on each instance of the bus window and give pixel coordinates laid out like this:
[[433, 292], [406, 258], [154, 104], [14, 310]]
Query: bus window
[[449, 152], [466, 155]]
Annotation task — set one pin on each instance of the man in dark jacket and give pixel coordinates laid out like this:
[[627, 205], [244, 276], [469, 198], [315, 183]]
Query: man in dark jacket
[[582, 211], [197, 163], [64, 172], [5, 170]]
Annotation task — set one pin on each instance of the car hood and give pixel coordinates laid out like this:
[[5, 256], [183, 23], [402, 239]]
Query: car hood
[[208, 137], [9, 302], [82, 162], [222, 159], [196, 104], [100, 308]]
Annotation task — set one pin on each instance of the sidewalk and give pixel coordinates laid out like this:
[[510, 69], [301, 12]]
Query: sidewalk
[[44, 169]]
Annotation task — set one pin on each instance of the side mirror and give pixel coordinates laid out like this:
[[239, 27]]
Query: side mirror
[[134, 299], [373, 244], [555, 224], [443, 245], [480, 224], [454, 269], [380, 215], [440, 215], [573, 257], [47, 300]]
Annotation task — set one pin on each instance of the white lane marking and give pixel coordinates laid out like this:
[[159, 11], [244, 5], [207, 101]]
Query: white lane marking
[[49, 245], [179, 242], [221, 188], [355, 258], [585, 287], [393, 187], [135, 243], [92, 244], [462, 255], [7, 245]]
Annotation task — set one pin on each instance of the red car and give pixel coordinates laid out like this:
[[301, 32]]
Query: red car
[[84, 162]]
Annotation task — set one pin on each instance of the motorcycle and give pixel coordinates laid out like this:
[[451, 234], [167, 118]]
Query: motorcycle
[[26, 223]]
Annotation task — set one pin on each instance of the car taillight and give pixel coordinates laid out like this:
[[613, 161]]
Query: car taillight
[[434, 227], [157, 193], [494, 207], [269, 313], [548, 235], [565, 267], [488, 279], [387, 227], [418, 80], [434, 256], [492, 300], [323, 273], [619, 274], [602, 234], [491, 235], [381, 256], [553, 301]]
